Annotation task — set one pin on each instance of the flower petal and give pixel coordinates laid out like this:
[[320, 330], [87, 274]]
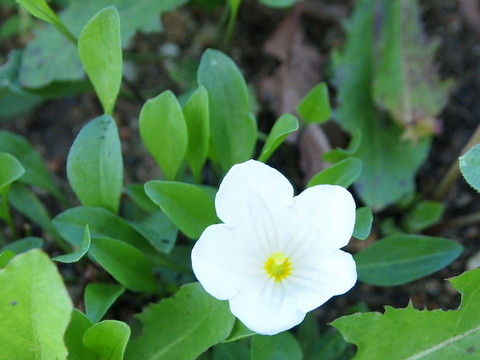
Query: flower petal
[[328, 211], [252, 190]]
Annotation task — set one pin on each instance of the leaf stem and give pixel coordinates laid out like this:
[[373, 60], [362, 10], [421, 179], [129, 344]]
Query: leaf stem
[[453, 172], [5, 213]]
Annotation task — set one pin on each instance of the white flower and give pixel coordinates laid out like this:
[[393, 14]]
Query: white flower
[[276, 256]]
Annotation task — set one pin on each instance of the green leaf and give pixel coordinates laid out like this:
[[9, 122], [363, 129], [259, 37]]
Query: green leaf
[[99, 298], [279, 3], [11, 170], [36, 172], [74, 335], [5, 257], [239, 331], [107, 339], [124, 262], [190, 207], [343, 173], [407, 83], [413, 334], [315, 106], [100, 52], [158, 229], [181, 327], [50, 57], [285, 125], [164, 132], [101, 222], [34, 303], [41, 10], [139, 197], [76, 255], [470, 165], [233, 129], [282, 346], [363, 223], [399, 259], [423, 215], [197, 118], [24, 245], [94, 164], [231, 351], [389, 164]]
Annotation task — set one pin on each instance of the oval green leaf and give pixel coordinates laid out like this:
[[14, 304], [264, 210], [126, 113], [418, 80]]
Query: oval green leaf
[[285, 125], [158, 229], [470, 167], [277, 347], [315, 106], [363, 223], [343, 173], [11, 170], [164, 132], [401, 258], [107, 339], [74, 335], [100, 51], [24, 245], [190, 207], [423, 215], [94, 164], [99, 298]]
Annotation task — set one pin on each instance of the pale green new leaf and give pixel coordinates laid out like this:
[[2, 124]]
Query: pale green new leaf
[[100, 51], [233, 128], [107, 339], [34, 307], [181, 327], [164, 132], [410, 334], [285, 125], [11, 170], [315, 106], [94, 164], [470, 167], [78, 254], [343, 173], [99, 298], [5, 257], [74, 336]]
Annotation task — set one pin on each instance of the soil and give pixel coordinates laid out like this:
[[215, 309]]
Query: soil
[[52, 127]]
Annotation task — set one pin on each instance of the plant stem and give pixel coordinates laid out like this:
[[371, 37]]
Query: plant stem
[[453, 172], [5, 212], [233, 5], [464, 220]]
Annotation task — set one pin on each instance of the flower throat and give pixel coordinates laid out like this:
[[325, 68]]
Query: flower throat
[[278, 266]]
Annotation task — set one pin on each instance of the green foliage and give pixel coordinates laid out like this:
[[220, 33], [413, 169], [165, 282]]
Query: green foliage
[[239, 331], [76, 255], [181, 327], [94, 164], [77, 327], [197, 118], [99, 298], [100, 51], [24, 245], [343, 173], [51, 57], [285, 125], [11, 171], [233, 129], [282, 346], [231, 351], [128, 265], [107, 339], [399, 259], [191, 208], [315, 106], [164, 132], [413, 334], [422, 215], [5, 257], [470, 165], [363, 223], [158, 229], [34, 304], [406, 82], [279, 3], [389, 164]]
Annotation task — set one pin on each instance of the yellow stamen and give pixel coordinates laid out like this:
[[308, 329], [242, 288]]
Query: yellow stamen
[[278, 266]]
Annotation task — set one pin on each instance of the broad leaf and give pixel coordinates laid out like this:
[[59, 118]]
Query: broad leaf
[[126, 264], [35, 304], [100, 52], [164, 132], [181, 327], [24, 245], [285, 125], [140, 198], [74, 335], [233, 129], [5, 257], [76, 255], [470, 167], [107, 339], [343, 173], [197, 118], [190, 207], [413, 334], [239, 331], [158, 229], [422, 215], [315, 106], [282, 346], [399, 259], [11, 170], [36, 172], [231, 351], [94, 164], [99, 298], [363, 223]]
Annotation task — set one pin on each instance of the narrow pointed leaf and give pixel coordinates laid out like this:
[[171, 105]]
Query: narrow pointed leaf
[[99, 298], [343, 173], [315, 106], [76, 255], [94, 164], [100, 51], [107, 339], [285, 125], [34, 303], [164, 132]]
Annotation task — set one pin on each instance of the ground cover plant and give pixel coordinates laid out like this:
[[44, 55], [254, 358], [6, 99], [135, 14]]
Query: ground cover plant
[[198, 216]]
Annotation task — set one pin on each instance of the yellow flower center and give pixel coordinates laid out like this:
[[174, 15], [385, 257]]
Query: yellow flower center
[[278, 266]]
